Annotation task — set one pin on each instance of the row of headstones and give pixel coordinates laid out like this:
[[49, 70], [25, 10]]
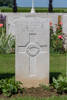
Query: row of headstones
[[11, 18]]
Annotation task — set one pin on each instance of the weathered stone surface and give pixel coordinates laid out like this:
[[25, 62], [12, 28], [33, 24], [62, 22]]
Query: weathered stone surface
[[12, 17], [65, 24], [65, 30], [32, 50]]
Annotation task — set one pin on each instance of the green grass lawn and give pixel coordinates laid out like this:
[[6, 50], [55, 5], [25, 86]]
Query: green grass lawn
[[52, 98], [33, 98], [7, 65], [57, 66], [58, 63], [28, 9]]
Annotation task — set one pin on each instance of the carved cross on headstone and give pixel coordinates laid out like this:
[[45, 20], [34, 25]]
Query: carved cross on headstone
[[32, 50]]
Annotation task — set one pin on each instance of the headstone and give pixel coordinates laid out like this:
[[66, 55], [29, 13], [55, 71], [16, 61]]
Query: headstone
[[32, 51], [10, 27], [12, 17], [65, 24], [65, 30]]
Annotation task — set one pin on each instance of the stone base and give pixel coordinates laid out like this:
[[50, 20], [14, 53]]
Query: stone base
[[28, 83], [32, 10]]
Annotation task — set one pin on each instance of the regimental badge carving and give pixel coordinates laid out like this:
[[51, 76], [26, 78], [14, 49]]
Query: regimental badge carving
[[33, 49]]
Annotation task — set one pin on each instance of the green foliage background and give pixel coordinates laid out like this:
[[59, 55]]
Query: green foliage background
[[8, 3]]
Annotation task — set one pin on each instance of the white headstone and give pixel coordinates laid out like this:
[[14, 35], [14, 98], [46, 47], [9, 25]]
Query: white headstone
[[65, 24], [32, 51], [65, 30]]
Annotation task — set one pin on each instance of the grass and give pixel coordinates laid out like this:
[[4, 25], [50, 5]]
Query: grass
[[58, 63], [52, 98], [33, 98], [7, 63], [28, 9]]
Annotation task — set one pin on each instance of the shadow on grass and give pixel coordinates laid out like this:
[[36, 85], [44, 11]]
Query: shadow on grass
[[55, 75], [6, 75]]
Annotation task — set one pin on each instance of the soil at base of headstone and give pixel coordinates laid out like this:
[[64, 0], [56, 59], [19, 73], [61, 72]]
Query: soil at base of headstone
[[38, 92]]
